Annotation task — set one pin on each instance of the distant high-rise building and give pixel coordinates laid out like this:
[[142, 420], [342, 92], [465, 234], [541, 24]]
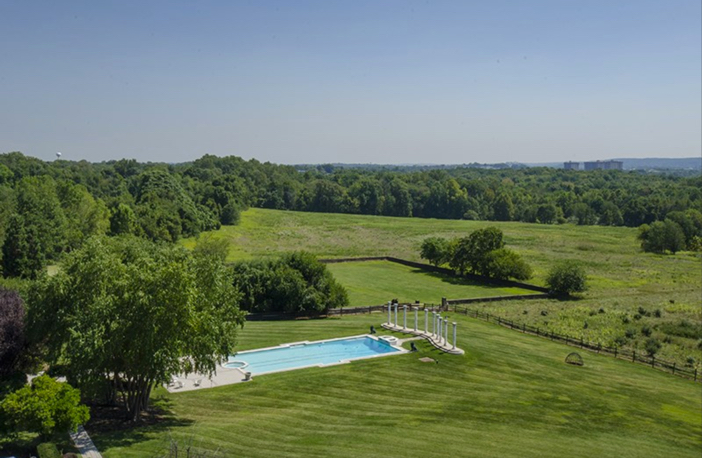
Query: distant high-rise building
[[571, 165], [604, 165]]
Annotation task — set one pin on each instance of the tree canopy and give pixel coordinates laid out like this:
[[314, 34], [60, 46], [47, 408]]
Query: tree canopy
[[293, 283], [12, 339], [566, 278], [125, 314]]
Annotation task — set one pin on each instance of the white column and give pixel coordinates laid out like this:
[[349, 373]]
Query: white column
[[426, 320], [404, 316], [454, 334], [395, 315], [441, 327], [433, 323], [446, 332], [389, 312], [416, 318]]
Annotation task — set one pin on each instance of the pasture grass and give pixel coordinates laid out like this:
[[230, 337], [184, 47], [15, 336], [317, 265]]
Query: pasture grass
[[510, 395]]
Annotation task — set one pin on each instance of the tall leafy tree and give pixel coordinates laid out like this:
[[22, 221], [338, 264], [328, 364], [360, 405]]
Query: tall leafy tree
[[662, 236], [436, 250], [127, 314], [11, 330], [470, 254]]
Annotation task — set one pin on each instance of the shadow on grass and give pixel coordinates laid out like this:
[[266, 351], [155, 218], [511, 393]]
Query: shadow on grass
[[108, 427], [453, 279]]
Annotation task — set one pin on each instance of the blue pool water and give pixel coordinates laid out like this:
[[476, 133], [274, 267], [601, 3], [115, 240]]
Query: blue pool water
[[309, 354]]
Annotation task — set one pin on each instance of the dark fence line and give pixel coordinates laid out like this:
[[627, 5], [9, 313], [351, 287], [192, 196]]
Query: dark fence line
[[630, 355], [379, 308], [497, 298], [335, 312], [442, 270]]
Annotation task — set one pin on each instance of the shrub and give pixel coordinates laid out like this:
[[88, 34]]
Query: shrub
[[690, 361], [646, 330], [48, 450], [625, 319], [566, 278], [504, 264], [652, 346], [630, 333], [46, 407], [620, 341], [657, 313]]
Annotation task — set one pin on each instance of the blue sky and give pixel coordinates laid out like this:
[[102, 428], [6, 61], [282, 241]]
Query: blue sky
[[352, 81]]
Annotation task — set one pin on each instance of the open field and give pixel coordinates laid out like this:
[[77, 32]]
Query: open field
[[376, 282], [622, 278], [511, 395]]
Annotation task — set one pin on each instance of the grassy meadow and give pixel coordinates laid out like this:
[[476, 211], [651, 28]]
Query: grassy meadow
[[511, 395], [622, 278]]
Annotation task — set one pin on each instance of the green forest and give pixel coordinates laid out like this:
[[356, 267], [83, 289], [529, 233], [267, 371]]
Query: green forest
[[49, 208]]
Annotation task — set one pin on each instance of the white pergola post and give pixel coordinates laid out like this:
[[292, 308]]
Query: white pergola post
[[416, 318], [389, 313], [395, 315], [454, 335], [426, 320], [404, 316], [441, 327], [433, 322], [446, 332]]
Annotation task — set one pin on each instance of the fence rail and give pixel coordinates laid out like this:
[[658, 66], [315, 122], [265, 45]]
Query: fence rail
[[378, 308], [616, 352]]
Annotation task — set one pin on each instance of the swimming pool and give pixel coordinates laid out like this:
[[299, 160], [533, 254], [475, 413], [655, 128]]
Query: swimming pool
[[310, 354]]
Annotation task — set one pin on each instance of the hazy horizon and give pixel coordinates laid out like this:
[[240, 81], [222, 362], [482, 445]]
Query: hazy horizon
[[312, 82]]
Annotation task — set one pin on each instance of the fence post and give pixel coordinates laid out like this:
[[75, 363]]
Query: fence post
[[341, 312], [633, 356], [524, 328], [615, 352], [537, 331], [673, 368], [653, 361]]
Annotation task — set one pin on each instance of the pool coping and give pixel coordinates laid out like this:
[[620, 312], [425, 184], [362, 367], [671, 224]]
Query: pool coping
[[231, 375]]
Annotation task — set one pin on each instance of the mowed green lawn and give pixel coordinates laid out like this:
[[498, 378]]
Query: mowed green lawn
[[376, 282], [511, 395]]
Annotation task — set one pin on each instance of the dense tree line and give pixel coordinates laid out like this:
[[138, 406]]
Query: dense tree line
[[48, 208]]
